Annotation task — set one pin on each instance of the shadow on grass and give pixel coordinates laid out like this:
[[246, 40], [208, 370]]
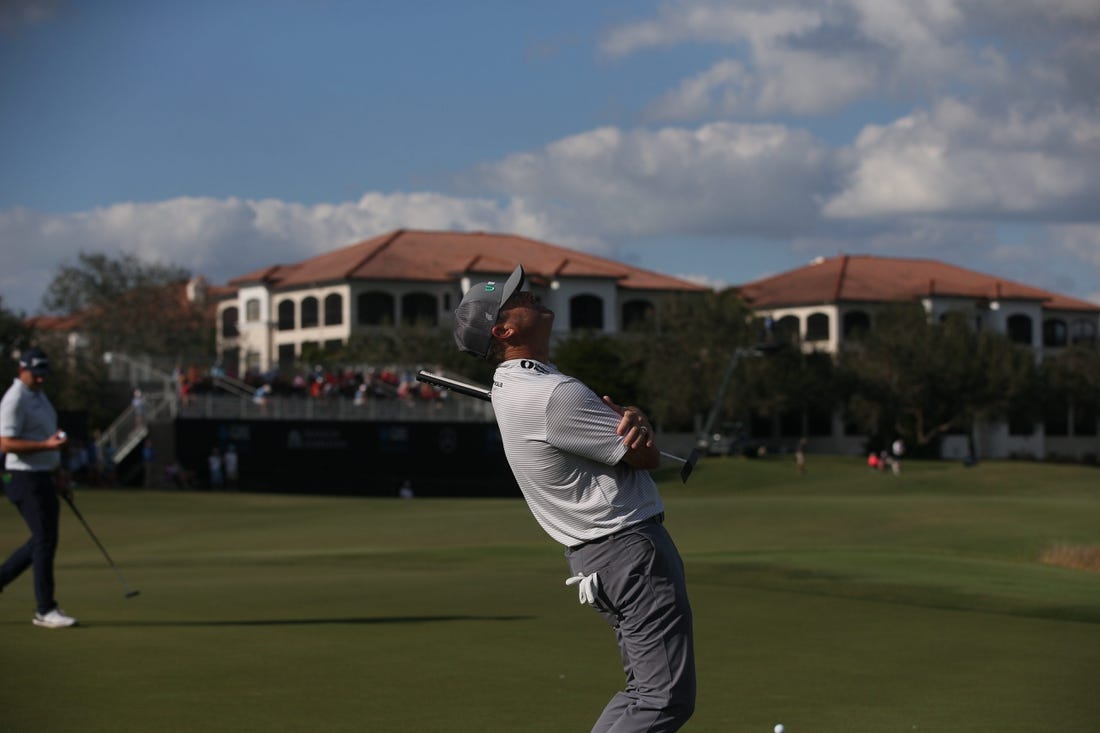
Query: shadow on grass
[[352, 620]]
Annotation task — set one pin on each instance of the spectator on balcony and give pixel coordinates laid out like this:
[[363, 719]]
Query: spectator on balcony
[[138, 405]]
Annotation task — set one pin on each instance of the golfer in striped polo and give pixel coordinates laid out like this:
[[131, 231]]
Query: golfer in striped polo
[[583, 464]]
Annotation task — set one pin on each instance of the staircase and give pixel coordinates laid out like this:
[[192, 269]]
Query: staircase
[[129, 429]]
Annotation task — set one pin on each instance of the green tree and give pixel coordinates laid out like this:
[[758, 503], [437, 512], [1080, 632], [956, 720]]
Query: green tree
[[15, 335], [1072, 378], [686, 353], [918, 379], [608, 364], [125, 304]]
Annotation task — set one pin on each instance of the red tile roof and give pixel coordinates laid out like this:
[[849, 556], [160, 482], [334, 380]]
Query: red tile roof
[[867, 278], [429, 256]]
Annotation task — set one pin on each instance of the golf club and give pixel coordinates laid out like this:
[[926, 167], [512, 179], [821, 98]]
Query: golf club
[[130, 592], [483, 393]]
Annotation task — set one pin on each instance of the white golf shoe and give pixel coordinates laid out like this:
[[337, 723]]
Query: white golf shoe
[[55, 619]]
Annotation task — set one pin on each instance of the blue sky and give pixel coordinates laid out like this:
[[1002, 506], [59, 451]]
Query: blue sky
[[718, 141]]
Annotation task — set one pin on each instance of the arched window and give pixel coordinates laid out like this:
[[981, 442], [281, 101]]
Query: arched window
[[788, 330], [1054, 332], [252, 309], [309, 312], [1082, 332], [857, 324], [229, 322], [375, 309], [586, 311], [286, 315], [334, 309], [637, 314], [817, 327], [419, 308], [1019, 329]]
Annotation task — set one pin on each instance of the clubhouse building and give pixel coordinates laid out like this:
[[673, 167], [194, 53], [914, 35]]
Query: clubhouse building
[[825, 302], [268, 318]]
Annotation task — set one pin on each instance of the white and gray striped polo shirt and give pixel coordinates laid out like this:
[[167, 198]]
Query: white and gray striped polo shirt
[[560, 441]]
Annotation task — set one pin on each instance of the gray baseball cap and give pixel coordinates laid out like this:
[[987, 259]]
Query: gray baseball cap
[[35, 361], [476, 315]]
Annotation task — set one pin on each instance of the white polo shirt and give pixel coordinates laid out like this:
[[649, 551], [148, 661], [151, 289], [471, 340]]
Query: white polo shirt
[[27, 414], [559, 438]]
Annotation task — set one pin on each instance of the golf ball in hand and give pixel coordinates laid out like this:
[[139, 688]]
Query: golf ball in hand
[[779, 728], [62, 434]]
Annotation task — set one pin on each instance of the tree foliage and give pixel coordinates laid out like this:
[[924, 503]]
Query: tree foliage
[[918, 379], [1074, 374], [687, 352], [131, 306], [15, 335]]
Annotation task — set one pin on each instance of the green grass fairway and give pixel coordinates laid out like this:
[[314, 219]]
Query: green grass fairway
[[842, 601]]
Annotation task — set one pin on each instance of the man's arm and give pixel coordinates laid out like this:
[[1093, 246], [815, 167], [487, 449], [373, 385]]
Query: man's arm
[[22, 446], [637, 434]]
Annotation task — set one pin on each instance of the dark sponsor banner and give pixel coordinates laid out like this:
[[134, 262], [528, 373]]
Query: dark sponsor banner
[[343, 457]]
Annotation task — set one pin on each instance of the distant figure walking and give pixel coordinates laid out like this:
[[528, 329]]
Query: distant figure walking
[[897, 450], [800, 458]]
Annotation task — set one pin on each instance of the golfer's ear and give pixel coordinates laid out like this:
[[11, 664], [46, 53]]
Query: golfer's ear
[[502, 331]]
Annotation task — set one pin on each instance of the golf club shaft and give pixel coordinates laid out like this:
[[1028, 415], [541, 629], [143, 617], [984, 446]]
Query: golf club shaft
[[118, 573], [484, 393]]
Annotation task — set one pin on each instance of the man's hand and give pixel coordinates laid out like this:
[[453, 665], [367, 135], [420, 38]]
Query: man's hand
[[637, 435], [634, 426]]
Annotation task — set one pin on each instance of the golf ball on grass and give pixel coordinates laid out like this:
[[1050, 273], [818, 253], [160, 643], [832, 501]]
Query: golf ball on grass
[[779, 728]]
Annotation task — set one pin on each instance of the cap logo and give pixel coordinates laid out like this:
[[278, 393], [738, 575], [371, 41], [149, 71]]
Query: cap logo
[[490, 287]]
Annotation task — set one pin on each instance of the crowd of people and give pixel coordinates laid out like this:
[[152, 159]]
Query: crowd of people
[[358, 385]]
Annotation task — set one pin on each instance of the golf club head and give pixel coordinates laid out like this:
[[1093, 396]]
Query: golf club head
[[689, 465]]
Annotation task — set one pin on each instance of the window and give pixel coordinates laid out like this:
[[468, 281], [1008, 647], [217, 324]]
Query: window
[[231, 360], [286, 315], [1019, 329], [419, 308], [334, 309], [309, 312], [857, 324], [286, 356], [252, 310], [1054, 332], [375, 309], [229, 322], [817, 327], [1056, 417], [1085, 418], [586, 311], [332, 345], [788, 330], [637, 314], [1082, 332]]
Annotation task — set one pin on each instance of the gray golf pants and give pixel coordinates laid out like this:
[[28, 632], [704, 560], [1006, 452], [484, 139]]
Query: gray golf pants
[[643, 597]]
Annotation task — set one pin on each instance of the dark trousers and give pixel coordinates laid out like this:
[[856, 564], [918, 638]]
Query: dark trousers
[[34, 494]]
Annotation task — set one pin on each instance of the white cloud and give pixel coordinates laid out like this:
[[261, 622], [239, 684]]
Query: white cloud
[[958, 161], [716, 179], [806, 57], [223, 238]]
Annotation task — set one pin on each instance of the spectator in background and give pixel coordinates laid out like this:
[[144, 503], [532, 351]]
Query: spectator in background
[[138, 404], [232, 467], [214, 464], [897, 450]]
